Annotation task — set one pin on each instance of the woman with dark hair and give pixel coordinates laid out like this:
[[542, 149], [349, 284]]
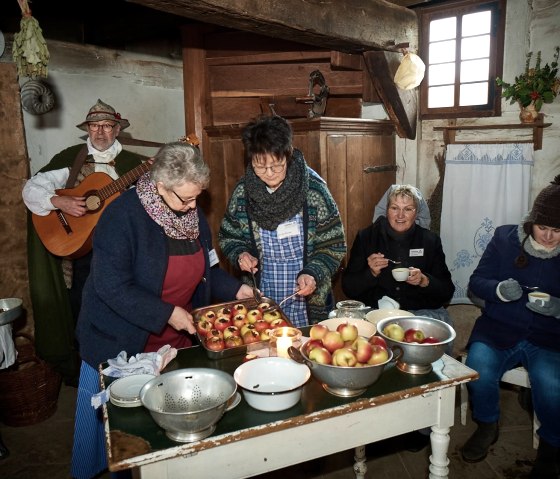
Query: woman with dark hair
[[513, 331], [282, 223]]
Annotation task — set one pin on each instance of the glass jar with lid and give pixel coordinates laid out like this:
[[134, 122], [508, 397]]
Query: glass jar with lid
[[350, 308]]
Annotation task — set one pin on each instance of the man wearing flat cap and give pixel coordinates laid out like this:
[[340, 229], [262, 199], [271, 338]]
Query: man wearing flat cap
[[56, 283]]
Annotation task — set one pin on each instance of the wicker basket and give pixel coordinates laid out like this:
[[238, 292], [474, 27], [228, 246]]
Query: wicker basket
[[28, 389]]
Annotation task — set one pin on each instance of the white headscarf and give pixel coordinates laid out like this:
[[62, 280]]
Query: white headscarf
[[423, 217]]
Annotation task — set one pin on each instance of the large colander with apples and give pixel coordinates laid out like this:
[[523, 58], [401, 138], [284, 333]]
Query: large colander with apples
[[423, 340]]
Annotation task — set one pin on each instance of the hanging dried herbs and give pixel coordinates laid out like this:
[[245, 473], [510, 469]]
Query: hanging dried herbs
[[30, 51]]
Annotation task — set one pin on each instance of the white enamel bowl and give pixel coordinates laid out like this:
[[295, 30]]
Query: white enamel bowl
[[365, 328], [271, 384], [375, 315]]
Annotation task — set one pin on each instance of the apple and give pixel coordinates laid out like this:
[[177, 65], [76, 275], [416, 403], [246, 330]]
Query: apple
[[312, 343], [203, 327], [233, 342], [251, 336], [363, 349], [215, 344], [239, 309], [379, 355], [245, 328], [210, 316], [349, 332], [344, 357], [378, 340], [265, 335], [222, 323], [394, 331], [333, 341], [249, 357], [318, 331], [253, 315], [413, 335], [215, 333], [225, 311], [231, 331], [261, 325], [430, 340], [239, 320], [272, 315], [278, 323], [320, 355], [262, 306]]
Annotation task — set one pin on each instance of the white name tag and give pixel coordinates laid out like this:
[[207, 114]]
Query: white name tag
[[416, 252], [287, 229], [213, 257]]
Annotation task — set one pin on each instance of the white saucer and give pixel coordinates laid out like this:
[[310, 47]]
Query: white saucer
[[234, 401], [125, 392]]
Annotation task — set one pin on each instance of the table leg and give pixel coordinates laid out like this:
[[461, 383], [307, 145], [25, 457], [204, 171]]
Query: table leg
[[439, 439], [360, 466]]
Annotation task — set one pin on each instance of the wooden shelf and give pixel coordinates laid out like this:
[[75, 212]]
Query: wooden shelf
[[449, 132]]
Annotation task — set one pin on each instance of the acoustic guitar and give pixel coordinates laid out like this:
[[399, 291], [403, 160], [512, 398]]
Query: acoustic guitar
[[71, 236]]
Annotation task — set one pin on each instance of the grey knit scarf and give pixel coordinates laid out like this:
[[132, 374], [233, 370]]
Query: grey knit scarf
[[271, 209]]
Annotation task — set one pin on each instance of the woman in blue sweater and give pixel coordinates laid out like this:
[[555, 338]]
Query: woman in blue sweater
[[153, 262], [511, 330]]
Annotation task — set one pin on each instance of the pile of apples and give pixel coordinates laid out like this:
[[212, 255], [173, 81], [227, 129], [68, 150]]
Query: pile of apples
[[230, 327], [344, 347], [412, 335]]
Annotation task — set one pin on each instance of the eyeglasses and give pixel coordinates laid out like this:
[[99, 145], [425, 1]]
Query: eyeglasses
[[278, 168], [407, 210], [183, 202], [107, 127]]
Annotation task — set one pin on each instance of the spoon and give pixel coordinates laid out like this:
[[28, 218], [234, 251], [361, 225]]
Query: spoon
[[393, 261], [275, 307], [529, 288]]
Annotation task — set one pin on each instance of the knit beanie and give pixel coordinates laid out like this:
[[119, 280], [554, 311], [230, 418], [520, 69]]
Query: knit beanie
[[546, 208]]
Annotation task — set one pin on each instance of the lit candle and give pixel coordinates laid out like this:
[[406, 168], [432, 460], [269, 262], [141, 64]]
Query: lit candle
[[281, 339], [282, 345]]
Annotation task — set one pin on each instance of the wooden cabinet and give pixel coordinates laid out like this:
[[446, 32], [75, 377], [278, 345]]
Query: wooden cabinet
[[355, 157]]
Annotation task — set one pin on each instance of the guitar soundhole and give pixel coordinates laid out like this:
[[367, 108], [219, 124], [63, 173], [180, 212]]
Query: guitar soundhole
[[93, 203]]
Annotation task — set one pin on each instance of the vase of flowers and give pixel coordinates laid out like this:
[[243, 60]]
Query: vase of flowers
[[534, 87]]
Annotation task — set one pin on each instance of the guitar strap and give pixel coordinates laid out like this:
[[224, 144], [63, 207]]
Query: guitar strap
[[77, 166]]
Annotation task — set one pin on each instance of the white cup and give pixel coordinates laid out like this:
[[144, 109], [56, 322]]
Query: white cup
[[400, 274], [539, 297]]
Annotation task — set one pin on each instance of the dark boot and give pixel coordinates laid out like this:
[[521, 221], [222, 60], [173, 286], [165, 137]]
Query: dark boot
[[547, 463], [476, 447]]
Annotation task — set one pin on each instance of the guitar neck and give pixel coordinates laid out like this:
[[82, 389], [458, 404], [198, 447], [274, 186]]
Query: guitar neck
[[124, 181]]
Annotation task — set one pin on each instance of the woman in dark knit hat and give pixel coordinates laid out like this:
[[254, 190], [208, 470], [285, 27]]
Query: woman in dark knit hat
[[513, 331]]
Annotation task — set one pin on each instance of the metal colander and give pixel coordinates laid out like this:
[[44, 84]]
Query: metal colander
[[188, 403]]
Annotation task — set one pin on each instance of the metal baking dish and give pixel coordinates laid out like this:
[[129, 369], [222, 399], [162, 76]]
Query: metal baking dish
[[226, 353]]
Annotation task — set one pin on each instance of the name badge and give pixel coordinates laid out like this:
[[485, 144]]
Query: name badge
[[416, 252], [287, 229], [213, 257]]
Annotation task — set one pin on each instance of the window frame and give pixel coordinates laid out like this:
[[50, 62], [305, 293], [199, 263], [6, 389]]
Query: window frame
[[496, 58]]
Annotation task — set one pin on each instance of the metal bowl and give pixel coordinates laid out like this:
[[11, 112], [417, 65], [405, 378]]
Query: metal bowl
[[417, 358], [188, 403], [340, 380], [10, 310]]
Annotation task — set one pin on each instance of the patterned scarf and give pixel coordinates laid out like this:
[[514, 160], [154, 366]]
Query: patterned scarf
[[271, 209], [176, 226]]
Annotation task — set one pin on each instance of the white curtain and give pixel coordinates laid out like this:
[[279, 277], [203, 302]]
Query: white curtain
[[485, 186]]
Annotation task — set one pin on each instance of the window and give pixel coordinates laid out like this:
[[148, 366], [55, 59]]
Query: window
[[461, 44]]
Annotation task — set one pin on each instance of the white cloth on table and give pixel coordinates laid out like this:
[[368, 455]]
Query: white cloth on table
[[485, 186], [8, 353], [387, 302]]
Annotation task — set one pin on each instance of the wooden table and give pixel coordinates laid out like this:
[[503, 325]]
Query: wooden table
[[248, 442]]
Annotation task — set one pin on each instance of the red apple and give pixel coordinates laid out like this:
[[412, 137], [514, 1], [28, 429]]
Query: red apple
[[312, 343], [215, 333], [245, 328], [363, 349], [225, 311], [272, 315], [231, 331], [239, 309], [215, 344], [344, 357], [278, 323], [262, 306], [379, 355], [239, 320], [265, 335], [394, 331], [349, 332], [378, 340], [413, 335], [261, 325], [203, 327], [320, 355], [430, 340], [222, 323], [210, 316], [233, 342], [253, 315], [333, 341], [251, 336], [318, 331]]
